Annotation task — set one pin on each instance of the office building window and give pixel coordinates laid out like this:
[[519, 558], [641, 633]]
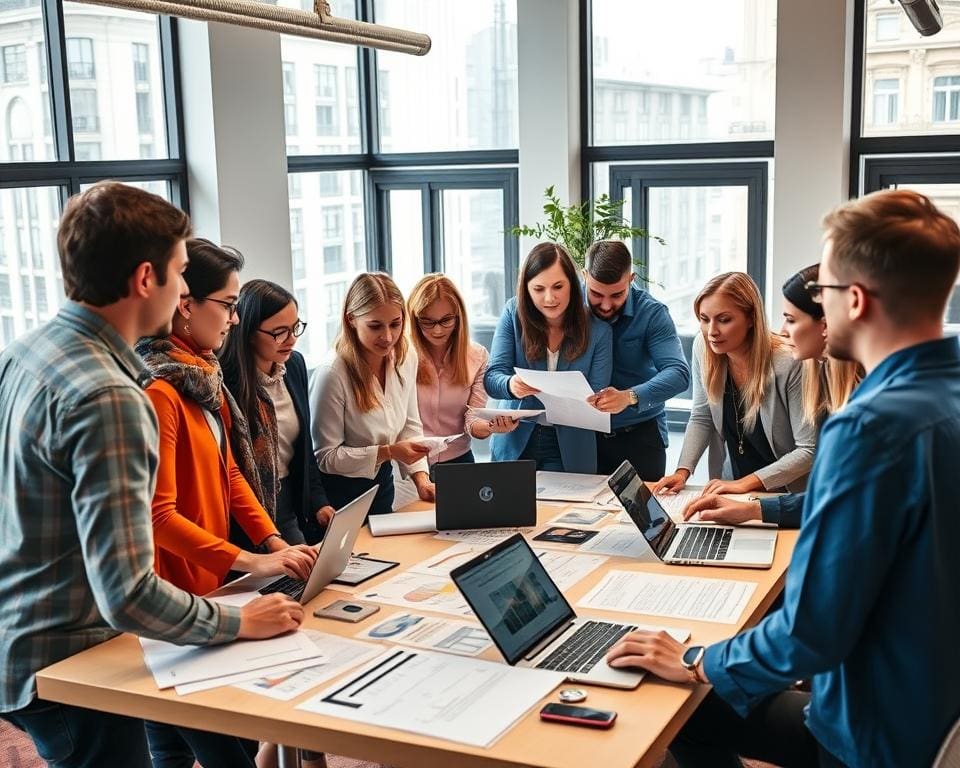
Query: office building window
[[14, 63], [353, 106], [26, 294], [333, 259], [326, 120], [946, 99], [290, 97], [886, 101], [144, 114], [333, 296], [330, 184], [326, 81], [141, 63], [83, 104], [332, 223], [294, 186], [888, 27], [80, 64], [6, 299], [296, 243]]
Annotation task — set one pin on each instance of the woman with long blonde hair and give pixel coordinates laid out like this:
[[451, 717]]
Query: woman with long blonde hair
[[747, 397], [363, 400], [450, 374]]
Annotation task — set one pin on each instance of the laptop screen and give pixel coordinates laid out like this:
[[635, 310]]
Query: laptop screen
[[513, 596], [642, 506]]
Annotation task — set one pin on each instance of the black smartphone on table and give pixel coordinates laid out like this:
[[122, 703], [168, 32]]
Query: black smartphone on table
[[573, 715]]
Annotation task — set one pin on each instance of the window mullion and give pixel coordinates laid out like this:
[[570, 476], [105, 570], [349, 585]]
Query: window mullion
[[61, 113]]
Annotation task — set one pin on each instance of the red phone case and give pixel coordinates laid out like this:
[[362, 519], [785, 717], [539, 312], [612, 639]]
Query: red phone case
[[579, 721]]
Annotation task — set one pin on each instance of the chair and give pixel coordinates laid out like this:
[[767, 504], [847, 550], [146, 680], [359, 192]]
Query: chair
[[949, 754]]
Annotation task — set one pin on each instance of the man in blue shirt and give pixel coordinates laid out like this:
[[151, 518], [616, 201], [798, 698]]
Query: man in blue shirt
[[871, 610], [648, 363]]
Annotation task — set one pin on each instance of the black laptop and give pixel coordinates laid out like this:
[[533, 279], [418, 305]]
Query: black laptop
[[497, 494]]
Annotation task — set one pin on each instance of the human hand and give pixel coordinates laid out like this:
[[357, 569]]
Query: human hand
[[717, 509], [610, 400], [325, 514], [426, 490], [268, 616], [743, 485], [656, 652], [296, 562], [503, 424], [672, 483], [519, 389], [408, 452]]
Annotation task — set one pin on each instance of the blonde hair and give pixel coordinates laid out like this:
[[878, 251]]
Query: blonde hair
[[431, 288], [367, 293], [743, 292], [827, 386]]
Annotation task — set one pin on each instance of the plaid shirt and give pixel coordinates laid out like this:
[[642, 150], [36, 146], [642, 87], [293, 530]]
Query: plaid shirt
[[78, 461]]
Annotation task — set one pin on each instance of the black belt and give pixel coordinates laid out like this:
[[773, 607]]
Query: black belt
[[625, 430]]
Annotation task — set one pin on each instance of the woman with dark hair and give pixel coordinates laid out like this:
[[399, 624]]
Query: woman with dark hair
[[269, 380], [200, 488], [547, 327]]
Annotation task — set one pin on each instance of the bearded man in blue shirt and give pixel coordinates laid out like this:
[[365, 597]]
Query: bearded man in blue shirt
[[871, 610]]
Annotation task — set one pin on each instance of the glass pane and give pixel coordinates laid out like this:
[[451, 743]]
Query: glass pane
[[705, 229], [911, 84], [161, 188], [31, 288], [709, 81], [473, 254], [321, 104], [25, 128], [327, 246], [116, 83], [406, 238], [470, 75]]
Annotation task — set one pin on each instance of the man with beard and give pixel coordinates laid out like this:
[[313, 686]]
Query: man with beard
[[648, 363]]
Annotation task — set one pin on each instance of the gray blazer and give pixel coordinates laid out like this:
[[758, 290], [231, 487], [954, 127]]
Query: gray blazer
[[781, 415]]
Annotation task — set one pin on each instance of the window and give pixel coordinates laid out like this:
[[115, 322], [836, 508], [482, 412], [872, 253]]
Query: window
[[14, 63], [87, 150], [141, 63], [40, 286], [332, 223], [886, 101], [353, 107], [26, 294], [888, 27], [296, 243], [333, 259], [83, 104], [946, 99], [6, 300], [144, 115], [290, 97], [333, 296], [329, 185], [80, 58], [326, 120], [294, 186], [326, 81]]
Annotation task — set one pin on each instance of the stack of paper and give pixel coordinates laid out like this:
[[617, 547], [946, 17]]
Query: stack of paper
[[570, 486], [564, 395]]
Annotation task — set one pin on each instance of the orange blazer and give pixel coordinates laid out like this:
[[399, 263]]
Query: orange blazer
[[197, 493]]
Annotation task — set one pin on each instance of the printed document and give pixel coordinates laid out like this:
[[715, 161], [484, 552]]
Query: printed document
[[564, 395], [416, 591], [436, 444], [514, 413], [580, 517], [461, 699], [680, 597], [620, 541], [482, 537], [446, 635], [570, 486]]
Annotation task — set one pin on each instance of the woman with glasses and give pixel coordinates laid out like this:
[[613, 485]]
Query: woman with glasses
[[200, 488], [269, 380], [747, 398], [450, 375], [363, 400]]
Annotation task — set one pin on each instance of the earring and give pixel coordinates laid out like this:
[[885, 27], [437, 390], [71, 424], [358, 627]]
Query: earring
[[186, 329]]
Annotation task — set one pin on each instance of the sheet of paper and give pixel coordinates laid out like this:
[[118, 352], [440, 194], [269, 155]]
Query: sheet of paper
[[461, 699], [340, 654], [674, 503], [436, 444], [564, 396], [397, 523], [416, 591], [176, 664], [242, 677], [680, 597], [447, 635], [570, 486], [484, 537], [513, 413], [620, 541], [580, 517]]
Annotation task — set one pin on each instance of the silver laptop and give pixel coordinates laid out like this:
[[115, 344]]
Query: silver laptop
[[532, 623], [333, 553], [689, 543]]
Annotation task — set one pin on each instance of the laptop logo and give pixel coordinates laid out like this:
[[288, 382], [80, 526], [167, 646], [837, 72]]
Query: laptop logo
[[486, 493], [343, 541]]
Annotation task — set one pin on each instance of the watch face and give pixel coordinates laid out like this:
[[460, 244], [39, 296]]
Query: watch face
[[692, 655]]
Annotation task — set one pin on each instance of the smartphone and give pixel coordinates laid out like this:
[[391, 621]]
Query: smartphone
[[567, 713], [346, 610]]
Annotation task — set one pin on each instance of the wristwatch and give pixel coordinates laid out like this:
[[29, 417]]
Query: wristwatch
[[691, 660], [632, 394]]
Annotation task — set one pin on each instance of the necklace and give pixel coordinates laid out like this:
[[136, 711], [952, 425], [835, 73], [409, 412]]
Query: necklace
[[737, 407]]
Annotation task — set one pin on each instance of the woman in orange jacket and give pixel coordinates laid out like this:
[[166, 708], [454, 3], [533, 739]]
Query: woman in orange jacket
[[200, 488]]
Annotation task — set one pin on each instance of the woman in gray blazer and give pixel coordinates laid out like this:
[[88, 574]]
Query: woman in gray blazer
[[747, 398]]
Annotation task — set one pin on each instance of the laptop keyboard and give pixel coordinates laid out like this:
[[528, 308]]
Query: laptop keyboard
[[287, 585], [585, 647], [704, 543]]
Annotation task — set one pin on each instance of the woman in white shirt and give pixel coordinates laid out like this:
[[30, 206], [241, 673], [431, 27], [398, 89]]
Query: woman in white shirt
[[363, 401]]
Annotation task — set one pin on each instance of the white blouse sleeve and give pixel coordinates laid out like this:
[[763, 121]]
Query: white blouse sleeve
[[330, 400]]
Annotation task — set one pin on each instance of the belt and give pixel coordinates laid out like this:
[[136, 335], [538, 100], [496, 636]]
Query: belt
[[625, 430]]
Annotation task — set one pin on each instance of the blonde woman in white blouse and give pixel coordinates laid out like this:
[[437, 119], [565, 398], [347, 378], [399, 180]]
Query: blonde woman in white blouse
[[363, 401]]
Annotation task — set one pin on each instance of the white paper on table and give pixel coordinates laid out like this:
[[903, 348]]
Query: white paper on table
[[588, 516], [680, 597], [564, 396], [514, 413], [177, 664], [620, 541], [436, 444], [445, 635], [418, 592], [570, 486], [482, 537], [340, 654], [461, 699], [242, 677], [397, 523], [674, 503]]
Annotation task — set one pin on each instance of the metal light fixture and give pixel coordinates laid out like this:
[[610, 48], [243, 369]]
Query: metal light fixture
[[318, 24]]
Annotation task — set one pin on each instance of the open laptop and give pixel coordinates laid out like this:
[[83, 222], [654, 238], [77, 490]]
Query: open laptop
[[532, 623], [496, 494], [689, 543], [333, 553]]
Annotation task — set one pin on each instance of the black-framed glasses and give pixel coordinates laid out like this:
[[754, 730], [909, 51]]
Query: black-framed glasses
[[283, 334], [816, 289], [444, 322], [230, 306]]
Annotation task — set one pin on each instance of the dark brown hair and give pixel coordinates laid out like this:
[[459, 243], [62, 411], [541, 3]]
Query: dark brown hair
[[608, 261], [905, 250], [533, 325], [210, 266], [107, 232]]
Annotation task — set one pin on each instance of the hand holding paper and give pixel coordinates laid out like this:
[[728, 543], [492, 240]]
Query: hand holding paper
[[565, 396], [436, 445]]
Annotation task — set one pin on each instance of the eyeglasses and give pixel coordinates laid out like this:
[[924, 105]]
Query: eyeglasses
[[443, 322], [283, 334], [230, 306], [816, 289]]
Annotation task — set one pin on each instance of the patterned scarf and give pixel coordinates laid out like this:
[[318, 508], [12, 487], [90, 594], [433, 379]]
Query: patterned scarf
[[199, 377], [266, 445]]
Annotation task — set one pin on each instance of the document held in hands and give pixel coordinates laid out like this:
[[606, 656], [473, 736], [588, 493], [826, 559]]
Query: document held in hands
[[564, 395]]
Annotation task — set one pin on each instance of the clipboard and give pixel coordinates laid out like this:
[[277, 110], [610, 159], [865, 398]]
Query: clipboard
[[360, 569]]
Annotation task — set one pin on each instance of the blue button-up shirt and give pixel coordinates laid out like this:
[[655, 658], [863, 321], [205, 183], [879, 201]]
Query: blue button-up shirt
[[647, 358], [871, 608], [78, 462]]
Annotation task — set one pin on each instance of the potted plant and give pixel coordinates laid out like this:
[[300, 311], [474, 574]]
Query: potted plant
[[576, 227]]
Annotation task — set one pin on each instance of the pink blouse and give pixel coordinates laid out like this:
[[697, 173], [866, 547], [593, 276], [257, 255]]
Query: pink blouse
[[443, 405]]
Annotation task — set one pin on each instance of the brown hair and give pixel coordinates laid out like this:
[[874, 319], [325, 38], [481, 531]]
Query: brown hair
[[368, 292], [608, 261], [431, 288], [743, 292], [827, 386], [905, 250], [107, 232], [533, 325]]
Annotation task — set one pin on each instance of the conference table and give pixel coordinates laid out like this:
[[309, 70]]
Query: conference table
[[112, 677]]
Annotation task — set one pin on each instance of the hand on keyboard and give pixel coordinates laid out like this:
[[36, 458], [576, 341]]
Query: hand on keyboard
[[717, 509], [296, 562], [269, 616], [656, 652]]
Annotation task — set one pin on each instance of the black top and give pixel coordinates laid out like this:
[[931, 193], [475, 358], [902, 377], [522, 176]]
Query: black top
[[756, 450]]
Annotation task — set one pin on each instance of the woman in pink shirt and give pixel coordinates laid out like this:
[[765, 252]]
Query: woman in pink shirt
[[450, 375]]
